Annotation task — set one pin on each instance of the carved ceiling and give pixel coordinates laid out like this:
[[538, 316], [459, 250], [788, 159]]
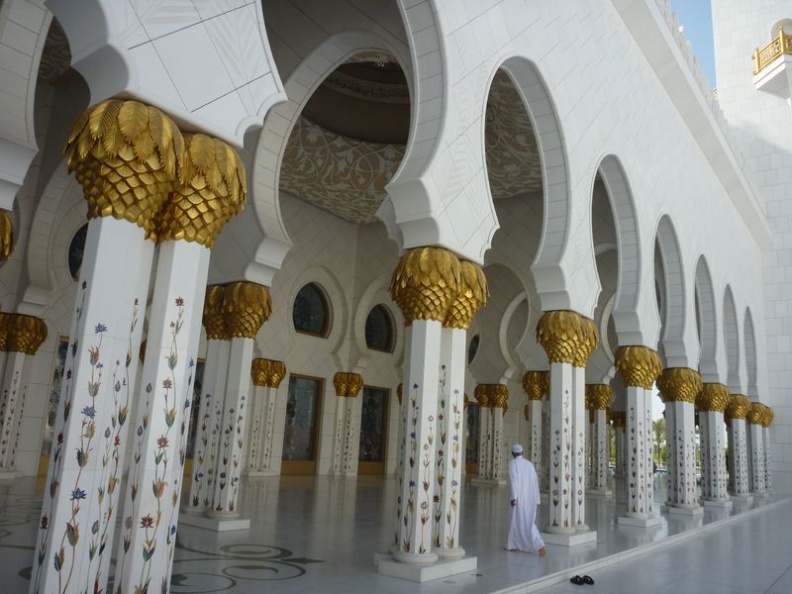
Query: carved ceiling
[[56, 55], [332, 161]]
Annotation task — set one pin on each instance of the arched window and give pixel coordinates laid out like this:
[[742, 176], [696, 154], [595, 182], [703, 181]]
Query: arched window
[[76, 249], [311, 314], [473, 348], [379, 329]]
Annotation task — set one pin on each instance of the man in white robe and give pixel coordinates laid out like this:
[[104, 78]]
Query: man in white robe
[[523, 533]]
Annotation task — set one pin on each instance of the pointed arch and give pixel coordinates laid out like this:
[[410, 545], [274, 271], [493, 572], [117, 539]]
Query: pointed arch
[[707, 323], [750, 354], [732, 340], [675, 306]]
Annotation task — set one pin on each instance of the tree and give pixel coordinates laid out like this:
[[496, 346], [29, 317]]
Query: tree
[[659, 435]]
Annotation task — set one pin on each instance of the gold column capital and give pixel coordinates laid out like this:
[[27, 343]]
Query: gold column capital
[[679, 384], [598, 396], [713, 397], [6, 236], [425, 283], [213, 192], [768, 417], [347, 385], [246, 306], [567, 337], [471, 296], [20, 333], [482, 395], [497, 395], [128, 157], [213, 318], [267, 372], [399, 392], [536, 384], [738, 407], [638, 365], [756, 413]]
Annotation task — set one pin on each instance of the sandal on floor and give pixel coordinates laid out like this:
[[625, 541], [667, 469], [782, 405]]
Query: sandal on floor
[[576, 580], [587, 579]]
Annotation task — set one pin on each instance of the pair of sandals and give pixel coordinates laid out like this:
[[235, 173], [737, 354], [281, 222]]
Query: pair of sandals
[[579, 581]]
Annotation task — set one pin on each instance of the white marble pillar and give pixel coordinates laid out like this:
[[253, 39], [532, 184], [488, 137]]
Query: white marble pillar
[[499, 396], [711, 402], [124, 190], [766, 421], [20, 336], [620, 437], [679, 388], [188, 226], [348, 411], [639, 366], [450, 457], [756, 439], [568, 339], [536, 385], [544, 478], [738, 450], [600, 396], [485, 433], [210, 411], [267, 376]]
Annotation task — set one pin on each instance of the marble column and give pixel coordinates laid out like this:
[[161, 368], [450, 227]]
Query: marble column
[[498, 397], [639, 367], [766, 422], [267, 376], [20, 337], [711, 403], [471, 295], [619, 429], [214, 191], [756, 438], [568, 339], [210, 410], [426, 285], [347, 437], [738, 446], [246, 306], [482, 396], [127, 157], [536, 385], [679, 387], [600, 396]]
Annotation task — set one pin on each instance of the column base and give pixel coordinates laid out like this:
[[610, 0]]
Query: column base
[[717, 503], [760, 495], [193, 511], [408, 569], [639, 522], [261, 473], [478, 480], [450, 554], [599, 493], [7, 475], [569, 539], [682, 510], [215, 524], [742, 499]]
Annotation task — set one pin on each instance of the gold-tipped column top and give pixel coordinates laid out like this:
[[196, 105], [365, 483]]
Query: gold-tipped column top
[[756, 413], [6, 236], [738, 407], [482, 395], [236, 310], [128, 158], [425, 284], [679, 384], [492, 395], [347, 385], [471, 296], [536, 384], [567, 337], [20, 333], [768, 417], [638, 365], [267, 373], [598, 396], [713, 398], [213, 192]]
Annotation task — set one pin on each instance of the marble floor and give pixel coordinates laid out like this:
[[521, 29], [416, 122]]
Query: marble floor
[[321, 533]]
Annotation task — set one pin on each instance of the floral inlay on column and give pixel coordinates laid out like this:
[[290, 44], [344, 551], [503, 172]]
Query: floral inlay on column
[[267, 375]]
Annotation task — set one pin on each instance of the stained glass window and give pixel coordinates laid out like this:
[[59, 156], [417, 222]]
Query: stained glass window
[[301, 411], [372, 425], [379, 329], [310, 313]]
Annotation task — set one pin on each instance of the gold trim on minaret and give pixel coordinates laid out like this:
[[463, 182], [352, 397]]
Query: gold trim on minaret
[[679, 384], [567, 337], [638, 365]]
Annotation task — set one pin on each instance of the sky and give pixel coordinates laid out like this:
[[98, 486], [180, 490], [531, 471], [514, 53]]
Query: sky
[[696, 17]]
